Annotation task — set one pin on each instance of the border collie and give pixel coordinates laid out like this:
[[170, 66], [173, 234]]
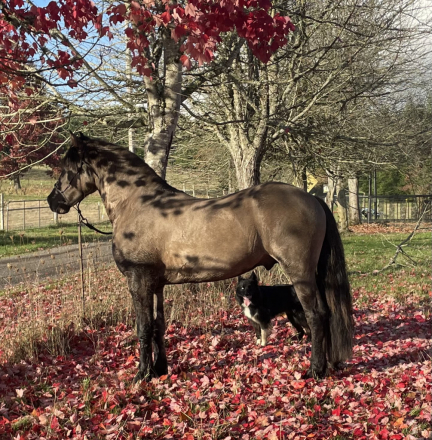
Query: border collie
[[260, 304]]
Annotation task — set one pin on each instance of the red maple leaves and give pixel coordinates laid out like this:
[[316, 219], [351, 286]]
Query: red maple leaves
[[222, 385], [26, 31]]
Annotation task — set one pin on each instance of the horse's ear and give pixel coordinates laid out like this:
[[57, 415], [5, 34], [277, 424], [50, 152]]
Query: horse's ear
[[77, 140]]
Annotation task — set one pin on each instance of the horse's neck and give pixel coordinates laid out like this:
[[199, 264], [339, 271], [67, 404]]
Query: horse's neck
[[117, 187]]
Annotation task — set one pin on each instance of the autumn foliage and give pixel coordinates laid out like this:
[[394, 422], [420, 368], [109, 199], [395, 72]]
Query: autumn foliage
[[28, 32]]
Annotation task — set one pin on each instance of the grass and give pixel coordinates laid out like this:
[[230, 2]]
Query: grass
[[35, 184], [366, 253], [31, 240], [409, 278]]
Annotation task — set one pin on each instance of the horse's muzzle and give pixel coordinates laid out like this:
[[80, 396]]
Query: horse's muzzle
[[57, 202]]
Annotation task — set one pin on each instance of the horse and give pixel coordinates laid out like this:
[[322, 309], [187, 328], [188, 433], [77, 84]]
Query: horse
[[162, 236]]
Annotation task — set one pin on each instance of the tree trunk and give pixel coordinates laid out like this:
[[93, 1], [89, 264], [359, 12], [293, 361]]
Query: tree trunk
[[300, 176], [163, 108], [131, 131], [341, 206], [331, 192], [247, 166], [246, 140], [354, 206]]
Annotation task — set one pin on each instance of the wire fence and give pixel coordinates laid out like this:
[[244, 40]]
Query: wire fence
[[397, 208], [64, 261], [28, 214]]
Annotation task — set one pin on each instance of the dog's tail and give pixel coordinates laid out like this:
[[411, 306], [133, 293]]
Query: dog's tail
[[333, 284]]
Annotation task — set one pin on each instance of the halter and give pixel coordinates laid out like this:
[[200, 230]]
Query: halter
[[70, 182], [82, 219]]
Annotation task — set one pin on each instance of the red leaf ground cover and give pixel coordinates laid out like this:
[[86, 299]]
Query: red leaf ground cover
[[221, 385], [385, 228]]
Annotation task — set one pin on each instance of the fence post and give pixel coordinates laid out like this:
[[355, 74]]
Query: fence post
[[24, 217], [369, 214], [7, 216], [39, 215], [1, 212], [99, 216]]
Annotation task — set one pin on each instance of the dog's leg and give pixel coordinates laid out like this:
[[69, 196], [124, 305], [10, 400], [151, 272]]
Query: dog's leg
[[264, 334], [257, 329]]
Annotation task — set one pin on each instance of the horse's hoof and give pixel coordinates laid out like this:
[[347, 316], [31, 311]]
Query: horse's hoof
[[161, 370], [141, 375], [314, 374], [337, 366]]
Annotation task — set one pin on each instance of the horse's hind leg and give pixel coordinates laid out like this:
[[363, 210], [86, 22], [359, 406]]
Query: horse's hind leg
[[161, 365], [293, 320], [316, 316], [141, 286]]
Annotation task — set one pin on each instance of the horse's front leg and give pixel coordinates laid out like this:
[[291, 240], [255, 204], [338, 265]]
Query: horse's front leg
[[161, 365], [142, 284]]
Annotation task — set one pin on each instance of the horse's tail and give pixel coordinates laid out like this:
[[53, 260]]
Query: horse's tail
[[333, 284]]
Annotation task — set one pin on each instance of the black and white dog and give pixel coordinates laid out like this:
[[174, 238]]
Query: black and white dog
[[261, 304]]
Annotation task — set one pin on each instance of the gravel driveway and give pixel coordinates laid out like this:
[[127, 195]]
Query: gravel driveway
[[51, 263]]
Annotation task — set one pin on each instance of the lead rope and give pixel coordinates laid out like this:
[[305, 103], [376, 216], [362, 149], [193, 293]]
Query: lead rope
[[85, 222], [81, 269]]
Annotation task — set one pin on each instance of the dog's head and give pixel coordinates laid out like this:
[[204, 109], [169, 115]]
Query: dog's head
[[247, 292]]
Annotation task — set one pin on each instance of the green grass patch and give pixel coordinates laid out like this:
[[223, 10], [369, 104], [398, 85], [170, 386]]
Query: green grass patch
[[366, 253], [31, 240]]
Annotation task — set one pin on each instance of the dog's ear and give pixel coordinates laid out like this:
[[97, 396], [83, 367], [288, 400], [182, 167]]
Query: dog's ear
[[253, 276], [239, 278]]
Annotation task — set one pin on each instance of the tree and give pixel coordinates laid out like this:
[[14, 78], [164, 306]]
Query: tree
[[163, 38], [344, 60]]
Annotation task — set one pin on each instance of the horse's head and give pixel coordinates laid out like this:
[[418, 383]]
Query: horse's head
[[76, 180]]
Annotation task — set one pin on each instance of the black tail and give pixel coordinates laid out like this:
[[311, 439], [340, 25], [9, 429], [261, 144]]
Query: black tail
[[333, 284]]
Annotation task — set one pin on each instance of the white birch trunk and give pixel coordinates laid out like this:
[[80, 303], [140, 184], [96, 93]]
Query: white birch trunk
[[163, 108]]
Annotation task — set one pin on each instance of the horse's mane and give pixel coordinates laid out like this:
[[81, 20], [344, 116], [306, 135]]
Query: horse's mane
[[90, 147], [98, 147]]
